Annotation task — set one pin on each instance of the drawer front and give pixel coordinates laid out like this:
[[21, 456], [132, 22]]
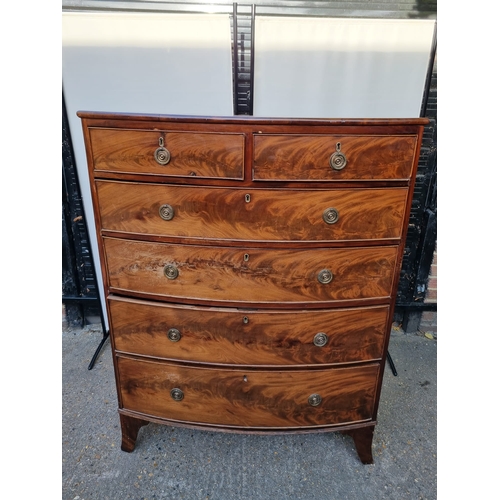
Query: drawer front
[[230, 336], [257, 275], [248, 398], [307, 157], [192, 154], [252, 214]]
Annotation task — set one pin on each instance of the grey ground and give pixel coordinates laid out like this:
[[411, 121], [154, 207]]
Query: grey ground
[[174, 463]]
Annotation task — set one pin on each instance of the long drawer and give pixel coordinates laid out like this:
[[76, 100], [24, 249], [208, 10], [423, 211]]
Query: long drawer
[[189, 154], [232, 336], [251, 214], [248, 398], [257, 275], [333, 157]]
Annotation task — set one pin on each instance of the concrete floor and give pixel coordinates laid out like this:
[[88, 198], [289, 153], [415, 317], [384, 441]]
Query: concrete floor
[[175, 463]]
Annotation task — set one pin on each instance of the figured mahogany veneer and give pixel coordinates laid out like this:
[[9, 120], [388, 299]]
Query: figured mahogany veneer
[[250, 267], [269, 215], [248, 399], [303, 157], [233, 336], [211, 273], [192, 154]]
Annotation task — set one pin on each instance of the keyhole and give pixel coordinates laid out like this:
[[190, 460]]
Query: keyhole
[[246, 257], [245, 378], [247, 198]]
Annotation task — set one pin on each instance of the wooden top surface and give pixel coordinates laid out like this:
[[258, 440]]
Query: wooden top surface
[[250, 120]]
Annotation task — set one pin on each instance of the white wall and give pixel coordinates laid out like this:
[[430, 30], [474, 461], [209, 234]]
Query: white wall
[[340, 68]]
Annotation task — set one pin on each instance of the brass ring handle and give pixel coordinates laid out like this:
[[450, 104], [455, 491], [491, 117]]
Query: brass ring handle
[[166, 212], [320, 339], [325, 276], [170, 271], [177, 394], [331, 215], [315, 399], [338, 160], [174, 335], [162, 154]]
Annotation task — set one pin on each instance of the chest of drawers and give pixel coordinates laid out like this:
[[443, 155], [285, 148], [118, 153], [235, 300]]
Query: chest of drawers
[[250, 267]]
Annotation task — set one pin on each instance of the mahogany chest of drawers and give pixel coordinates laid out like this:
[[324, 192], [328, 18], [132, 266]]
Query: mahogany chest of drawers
[[250, 267]]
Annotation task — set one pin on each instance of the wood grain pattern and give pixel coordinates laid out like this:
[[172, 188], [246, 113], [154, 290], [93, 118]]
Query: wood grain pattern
[[282, 124], [204, 154], [269, 275], [130, 428], [248, 241], [306, 157], [231, 336], [248, 398], [363, 438], [268, 215]]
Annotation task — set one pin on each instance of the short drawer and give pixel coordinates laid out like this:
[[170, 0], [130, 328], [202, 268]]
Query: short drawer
[[231, 336], [248, 398], [252, 214], [189, 154], [332, 158], [257, 275]]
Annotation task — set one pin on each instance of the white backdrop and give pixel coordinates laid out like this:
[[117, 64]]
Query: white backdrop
[[142, 63], [340, 68]]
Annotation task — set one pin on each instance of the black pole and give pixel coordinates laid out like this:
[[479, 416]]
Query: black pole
[[235, 58], [252, 59]]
